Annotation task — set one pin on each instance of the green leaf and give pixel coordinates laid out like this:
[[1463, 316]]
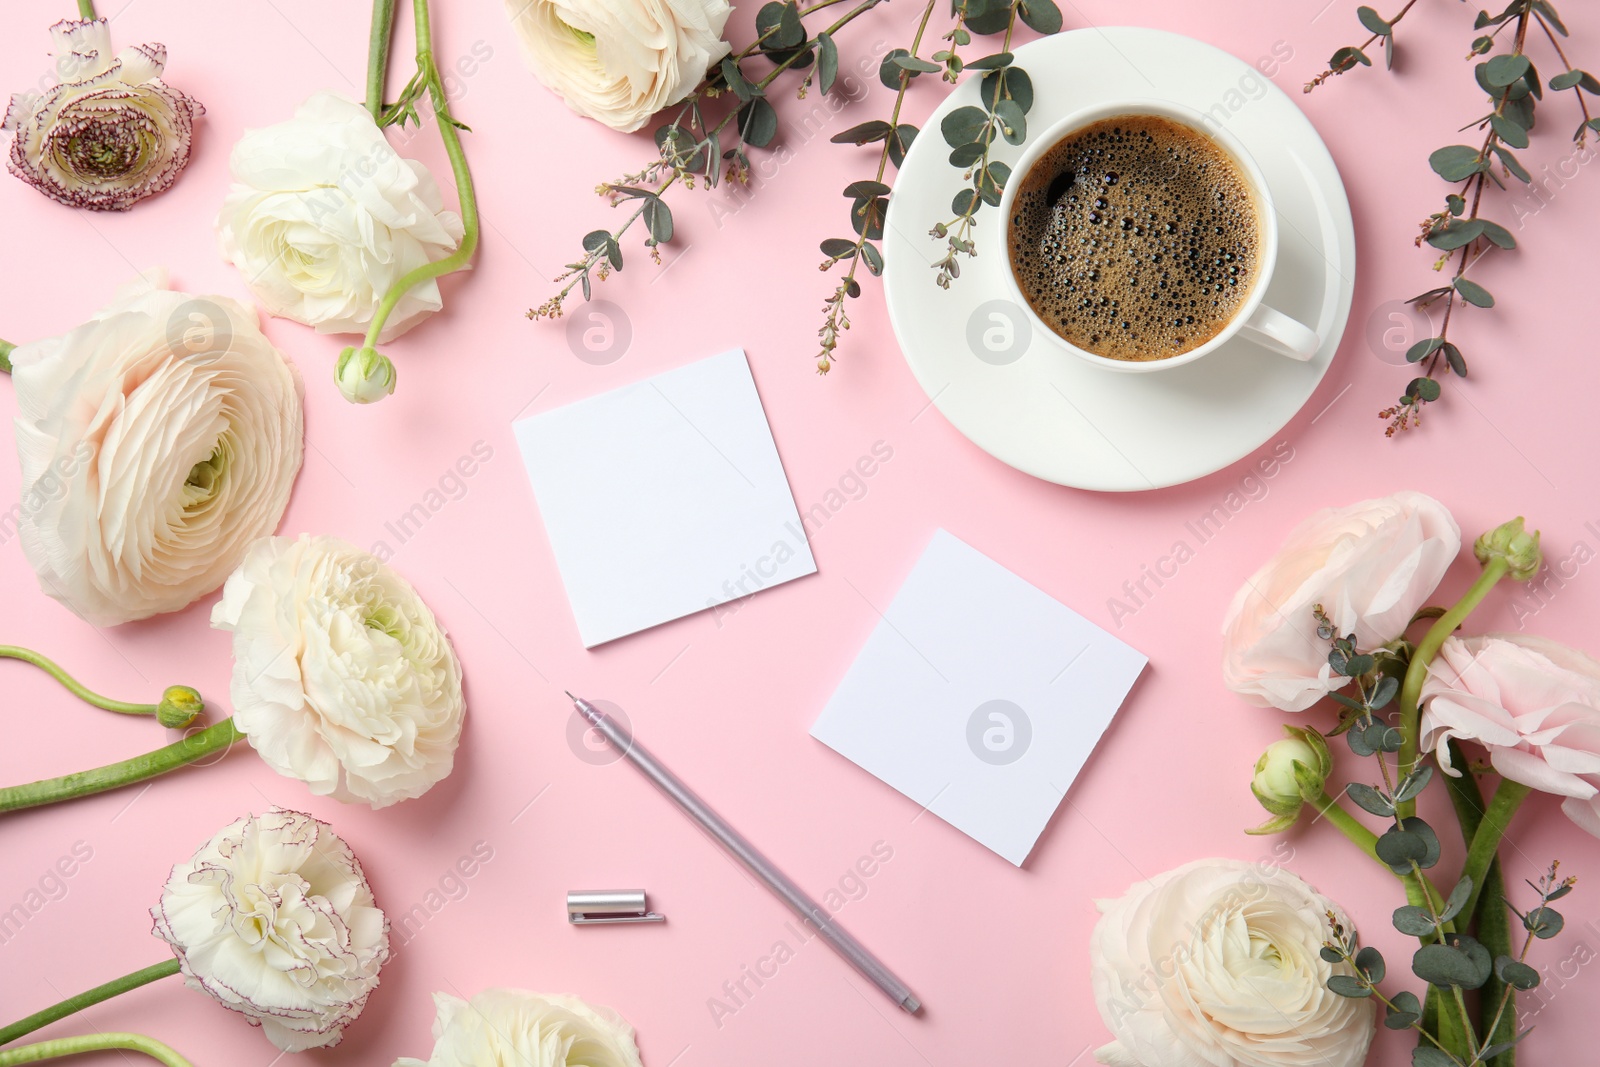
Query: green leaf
[[827, 62], [986, 17], [1505, 69], [1464, 963], [613, 252], [864, 189], [1407, 1010], [1346, 58], [1498, 234], [1373, 21], [1330, 954], [990, 185], [1457, 204], [1413, 919], [758, 123], [791, 32], [1453, 356], [1013, 123], [1400, 849], [1549, 12], [865, 133], [1369, 962], [965, 202], [867, 217], [1516, 974], [1543, 923], [1415, 825], [1428, 1056], [872, 258], [658, 220], [966, 155], [1456, 233], [1413, 784], [743, 88], [900, 143], [1423, 349], [1370, 799], [1042, 16], [1509, 132], [1346, 986], [595, 240], [1359, 665], [964, 125], [838, 248], [890, 73], [1456, 162], [1566, 80], [1512, 164], [1473, 293], [1018, 87], [783, 20], [1424, 389], [994, 62], [1388, 685], [917, 64]]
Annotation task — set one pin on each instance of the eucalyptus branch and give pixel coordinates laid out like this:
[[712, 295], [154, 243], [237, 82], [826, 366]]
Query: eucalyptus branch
[[1459, 231], [869, 199], [689, 147]]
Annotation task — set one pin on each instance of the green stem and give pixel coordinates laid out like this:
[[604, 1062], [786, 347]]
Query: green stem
[[77, 689], [378, 55], [1417, 672], [214, 738], [463, 177], [86, 10], [72, 1046], [1419, 890], [1485, 843], [6, 348], [86, 999], [1497, 1003]]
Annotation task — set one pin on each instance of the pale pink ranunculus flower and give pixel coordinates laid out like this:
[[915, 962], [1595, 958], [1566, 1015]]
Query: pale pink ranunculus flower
[[1370, 565], [1217, 964], [1533, 703], [158, 441], [514, 1026]]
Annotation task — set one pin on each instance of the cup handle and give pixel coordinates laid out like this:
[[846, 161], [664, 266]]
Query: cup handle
[[1278, 332]]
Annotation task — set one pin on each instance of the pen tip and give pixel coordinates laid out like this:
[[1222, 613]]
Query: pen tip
[[570, 696]]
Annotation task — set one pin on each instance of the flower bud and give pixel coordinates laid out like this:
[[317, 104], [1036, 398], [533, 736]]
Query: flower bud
[[1509, 541], [365, 375], [1288, 774], [179, 706]]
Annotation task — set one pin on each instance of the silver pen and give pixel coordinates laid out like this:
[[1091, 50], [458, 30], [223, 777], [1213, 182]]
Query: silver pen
[[742, 850]]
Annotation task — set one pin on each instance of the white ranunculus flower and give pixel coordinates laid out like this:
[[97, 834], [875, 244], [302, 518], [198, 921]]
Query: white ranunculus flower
[[620, 61], [342, 677], [274, 918], [158, 441], [513, 1026], [1216, 964], [110, 132], [325, 216]]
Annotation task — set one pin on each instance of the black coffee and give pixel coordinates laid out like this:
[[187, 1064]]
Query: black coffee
[[1135, 238]]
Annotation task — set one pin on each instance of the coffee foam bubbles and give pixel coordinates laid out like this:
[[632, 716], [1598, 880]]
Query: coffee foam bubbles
[[1136, 238]]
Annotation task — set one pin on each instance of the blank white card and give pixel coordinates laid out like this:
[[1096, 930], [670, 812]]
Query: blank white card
[[979, 696], [664, 497]]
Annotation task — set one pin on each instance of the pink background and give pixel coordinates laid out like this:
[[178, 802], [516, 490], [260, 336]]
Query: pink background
[[997, 954]]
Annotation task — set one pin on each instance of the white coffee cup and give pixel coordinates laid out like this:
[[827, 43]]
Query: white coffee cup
[[1254, 320]]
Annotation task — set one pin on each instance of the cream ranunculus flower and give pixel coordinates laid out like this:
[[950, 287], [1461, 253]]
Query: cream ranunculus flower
[[513, 1026], [274, 918], [1533, 703], [341, 675], [1370, 565], [620, 61], [157, 441], [1216, 964], [325, 216], [110, 132]]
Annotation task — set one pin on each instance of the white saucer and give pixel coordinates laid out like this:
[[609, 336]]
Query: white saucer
[[1053, 415]]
